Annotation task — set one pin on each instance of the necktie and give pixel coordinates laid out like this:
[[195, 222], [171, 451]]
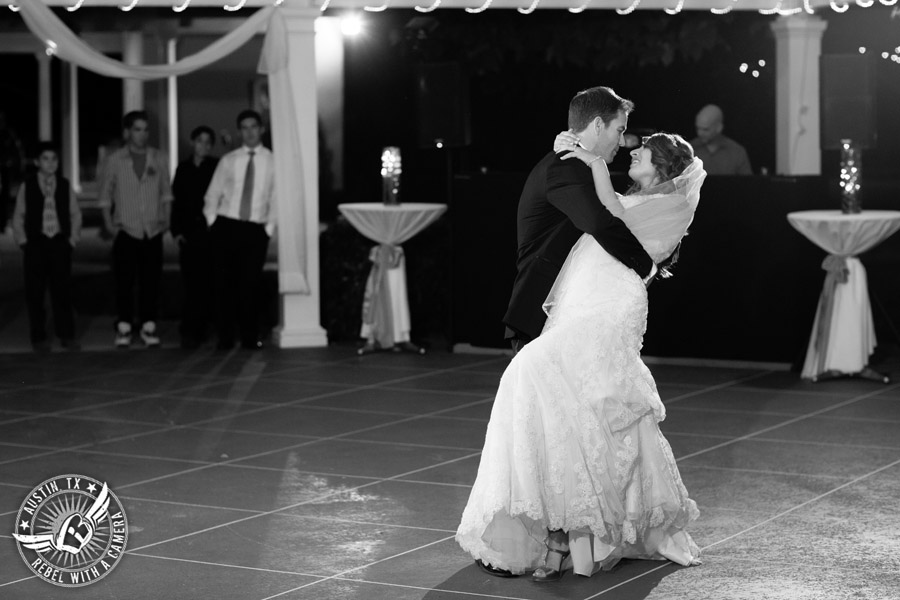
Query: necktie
[[247, 193]]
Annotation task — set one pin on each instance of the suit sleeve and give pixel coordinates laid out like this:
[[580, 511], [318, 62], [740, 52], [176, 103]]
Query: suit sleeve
[[570, 189]]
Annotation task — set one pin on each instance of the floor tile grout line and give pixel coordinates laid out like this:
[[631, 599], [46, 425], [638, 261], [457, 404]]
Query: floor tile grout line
[[381, 560], [322, 578], [806, 503], [269, 452], [766, 471], [17, 580], [716, 387], [627, 581], [799, 565], [212, 420], [783, 424], [307, 501], [764, 413]]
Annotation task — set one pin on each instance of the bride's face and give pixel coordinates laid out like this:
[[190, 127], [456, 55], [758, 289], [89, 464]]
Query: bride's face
[[642, 169]]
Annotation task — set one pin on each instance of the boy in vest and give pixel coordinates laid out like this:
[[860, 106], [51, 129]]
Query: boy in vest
[[47, 225]]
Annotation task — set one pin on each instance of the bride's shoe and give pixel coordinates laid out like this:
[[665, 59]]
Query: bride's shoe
[[557, 553]]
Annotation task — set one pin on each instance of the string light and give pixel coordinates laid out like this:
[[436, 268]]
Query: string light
[[325, 5], [531, 8], [888, 2], [236, 7], [676, 10], [865, 3], [130, 6], [13, 7], [481, 8], [381, 8], [182, 7], [75, 6], [784, 12], [51, 48], [630, 9], [722, 11], [839, 8], [579, 9], [428, 9]]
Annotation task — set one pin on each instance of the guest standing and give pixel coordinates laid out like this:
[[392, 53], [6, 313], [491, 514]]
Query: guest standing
[[241, 213], [135, 196], [47, 224], [720, 154], [190, 230]]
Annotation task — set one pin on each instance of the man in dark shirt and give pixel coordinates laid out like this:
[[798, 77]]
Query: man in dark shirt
[[190, 230], [720, 154]]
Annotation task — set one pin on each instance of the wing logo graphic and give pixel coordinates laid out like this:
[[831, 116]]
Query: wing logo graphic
[[69, 533]]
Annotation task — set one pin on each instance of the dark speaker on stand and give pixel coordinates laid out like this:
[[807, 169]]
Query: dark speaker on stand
[[848, 100], [442, 103]]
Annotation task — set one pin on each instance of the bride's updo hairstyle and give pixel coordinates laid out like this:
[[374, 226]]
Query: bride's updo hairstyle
[[670, 153]]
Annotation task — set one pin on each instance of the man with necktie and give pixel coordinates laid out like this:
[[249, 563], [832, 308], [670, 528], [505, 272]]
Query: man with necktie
[[239, 207]]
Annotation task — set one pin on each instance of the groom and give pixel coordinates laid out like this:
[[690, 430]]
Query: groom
[[559, 203]]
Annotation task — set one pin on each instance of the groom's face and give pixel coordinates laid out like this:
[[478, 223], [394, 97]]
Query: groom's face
[[610, 136]]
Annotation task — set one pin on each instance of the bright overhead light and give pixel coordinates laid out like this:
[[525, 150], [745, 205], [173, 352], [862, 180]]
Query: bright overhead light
[[351, 25]]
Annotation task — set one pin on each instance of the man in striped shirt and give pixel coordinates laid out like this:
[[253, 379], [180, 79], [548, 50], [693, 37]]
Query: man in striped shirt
[[240, 209], [135, 196]]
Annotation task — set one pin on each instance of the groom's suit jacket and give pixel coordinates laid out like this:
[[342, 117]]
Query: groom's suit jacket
[[557, 205]]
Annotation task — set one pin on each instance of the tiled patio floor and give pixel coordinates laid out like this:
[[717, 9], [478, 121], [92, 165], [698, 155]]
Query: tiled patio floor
[[317, 474]]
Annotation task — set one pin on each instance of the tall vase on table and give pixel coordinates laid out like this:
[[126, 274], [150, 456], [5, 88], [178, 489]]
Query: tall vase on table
[[851, 175], [390, 175]]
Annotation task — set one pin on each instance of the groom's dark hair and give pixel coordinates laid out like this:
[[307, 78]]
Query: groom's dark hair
[[596, 102]]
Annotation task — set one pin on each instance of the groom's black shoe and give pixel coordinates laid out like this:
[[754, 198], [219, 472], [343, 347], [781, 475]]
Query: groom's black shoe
[[494, 571]]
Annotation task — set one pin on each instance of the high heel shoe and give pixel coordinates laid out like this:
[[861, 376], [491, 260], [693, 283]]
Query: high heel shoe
[[553, 565]]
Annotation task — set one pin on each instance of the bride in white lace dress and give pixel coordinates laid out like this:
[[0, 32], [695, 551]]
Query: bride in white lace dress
[[574, 460]]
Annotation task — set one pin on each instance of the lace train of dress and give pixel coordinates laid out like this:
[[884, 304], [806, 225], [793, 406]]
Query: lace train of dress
[[573, 442]]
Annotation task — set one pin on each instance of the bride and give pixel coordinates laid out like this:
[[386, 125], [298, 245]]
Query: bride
[[574, 465]]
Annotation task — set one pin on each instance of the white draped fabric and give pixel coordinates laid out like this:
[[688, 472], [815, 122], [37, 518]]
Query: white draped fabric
[[67, 46], [843, 334]]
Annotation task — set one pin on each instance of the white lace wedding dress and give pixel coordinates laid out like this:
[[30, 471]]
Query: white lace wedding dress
[[573, 441]]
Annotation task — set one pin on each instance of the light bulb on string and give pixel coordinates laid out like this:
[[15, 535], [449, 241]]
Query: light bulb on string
[[428, 9], [480, 9]]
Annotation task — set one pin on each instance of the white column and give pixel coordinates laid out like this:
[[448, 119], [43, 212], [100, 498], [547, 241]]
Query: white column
[[330, 74], [172, 103], [70, 140], [798, 45], [300, 312], [45, 114], [132, 54]]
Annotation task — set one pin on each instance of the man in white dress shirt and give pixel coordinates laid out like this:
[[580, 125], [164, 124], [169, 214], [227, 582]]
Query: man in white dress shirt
[[239, 207]]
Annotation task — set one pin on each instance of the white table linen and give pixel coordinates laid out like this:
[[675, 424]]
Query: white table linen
[[843, 334], [386, 305]]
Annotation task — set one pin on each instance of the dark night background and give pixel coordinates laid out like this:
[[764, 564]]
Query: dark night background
[[520, 71]]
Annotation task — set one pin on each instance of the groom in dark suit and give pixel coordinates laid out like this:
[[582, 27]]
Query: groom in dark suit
[[559, 203]]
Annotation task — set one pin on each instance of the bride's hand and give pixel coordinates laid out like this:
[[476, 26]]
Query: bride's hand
[[565, 141], [568, 142]]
